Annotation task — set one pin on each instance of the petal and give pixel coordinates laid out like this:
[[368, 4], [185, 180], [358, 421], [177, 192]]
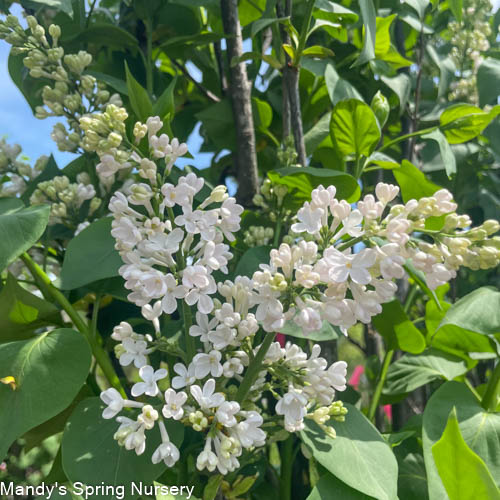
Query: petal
[[360, 275], [365, 258], [161, 373], [138, 389], [339, 274]]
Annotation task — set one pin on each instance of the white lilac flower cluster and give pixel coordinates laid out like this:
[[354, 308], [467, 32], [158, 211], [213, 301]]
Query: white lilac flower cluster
[[15, 171], [340, 268], [66, 199], [324, 280], [70, 94], [172, 240]]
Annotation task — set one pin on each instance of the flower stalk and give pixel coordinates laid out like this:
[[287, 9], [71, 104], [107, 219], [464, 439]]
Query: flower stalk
[[49, 290]]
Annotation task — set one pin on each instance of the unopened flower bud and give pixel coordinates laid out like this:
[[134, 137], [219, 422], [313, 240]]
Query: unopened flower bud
[[381, 108]]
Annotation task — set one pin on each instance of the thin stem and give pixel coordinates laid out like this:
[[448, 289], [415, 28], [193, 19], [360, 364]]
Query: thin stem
[[89, 15], [207, 93], [149, 55], [95, 315], [188, 321], [254, 368], [387, 360], [358, 169], [277, 231], [380, 384], [350, 243], [490, 398], [406, 136], [305, 29], [286, 468], [49, 290]]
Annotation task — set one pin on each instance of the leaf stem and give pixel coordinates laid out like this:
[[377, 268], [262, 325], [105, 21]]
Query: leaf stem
[[254, 368], [406, 136], [380, 384], [304, 30], [286, 468], [277, 231], [490, 398], [48, 289]]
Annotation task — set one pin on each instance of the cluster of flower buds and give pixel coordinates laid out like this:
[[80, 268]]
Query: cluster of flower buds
[[172, 239], [256, 236], [66, 199], [70, 94], [270, 198], [469, 41], [15, 172]]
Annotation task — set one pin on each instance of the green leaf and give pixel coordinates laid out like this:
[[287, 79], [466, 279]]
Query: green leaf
[[49, 370], [462, 472], [327, 332], [106, 35], [413, 183], [397, 329], [478, 311], [488, 81], [480, 430], [21, 312], [334, 12], [263, 113], [317, 51], [61, 5], [263, 23], [462, 122], [50, 171], [370, 29], [412, 480], [90, 256], [401, 86], [91, 455], [354, 128], [338, 88], [251, 259], [302, 180], [8, 205], [20, 230], [218, 123], [419, 6], [30, 87], [452, 338], [189, 41], [55, 425], [383, 36], [165, 105], [212, 487], [410, 372], [315, 135], [417, 24], [456, 8], [367, 464], [330, 487], [446, 67], [446, 153], [382, 160], [257, 56], [139, 99], [115, 83]]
